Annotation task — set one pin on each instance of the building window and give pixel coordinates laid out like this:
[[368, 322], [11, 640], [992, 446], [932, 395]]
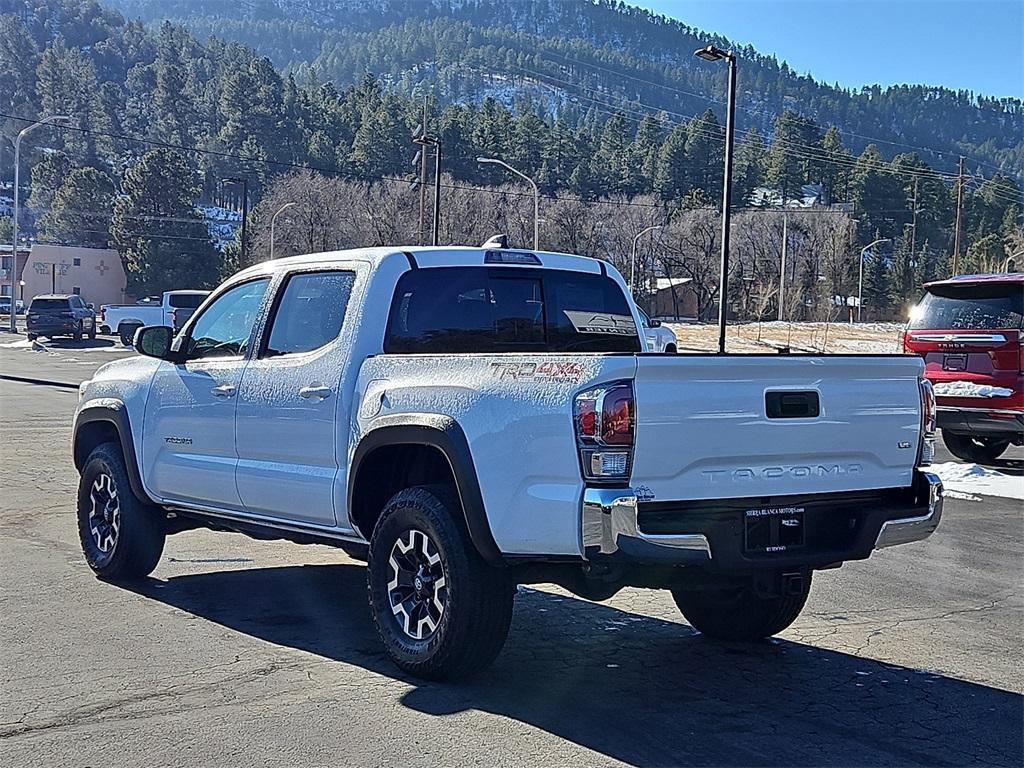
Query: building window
[[77, 291], [77, 262], [5, 290], [6, 262]]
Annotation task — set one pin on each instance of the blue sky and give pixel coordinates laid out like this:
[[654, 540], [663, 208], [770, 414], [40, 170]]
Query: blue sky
[[972, 44]]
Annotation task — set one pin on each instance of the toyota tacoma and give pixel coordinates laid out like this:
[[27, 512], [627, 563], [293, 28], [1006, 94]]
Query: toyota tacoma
[[470, 419]]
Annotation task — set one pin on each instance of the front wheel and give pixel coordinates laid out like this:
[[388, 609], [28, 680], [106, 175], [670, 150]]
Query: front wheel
[[92, 331], [740, 614], [79, 331], [122, 537], [978, 450], [441, 611]]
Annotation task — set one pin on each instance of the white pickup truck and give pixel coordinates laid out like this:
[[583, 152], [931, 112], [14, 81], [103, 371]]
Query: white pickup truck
[[172, 308], [469, 419]]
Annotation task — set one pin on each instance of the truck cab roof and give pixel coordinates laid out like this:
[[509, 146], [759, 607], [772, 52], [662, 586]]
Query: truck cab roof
[[439, 256]]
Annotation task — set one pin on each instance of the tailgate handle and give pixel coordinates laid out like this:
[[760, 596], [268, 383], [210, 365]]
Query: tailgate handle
[[792, 405]]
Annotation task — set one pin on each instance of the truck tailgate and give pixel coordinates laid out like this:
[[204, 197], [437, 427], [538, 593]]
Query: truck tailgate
[[714, 427]]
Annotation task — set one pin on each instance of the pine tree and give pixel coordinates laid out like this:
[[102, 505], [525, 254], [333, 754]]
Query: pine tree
[[793, 138], [834, 171], [705, 147], [877, 194], [81, 210], [47, 177], [748, 172], [163, 242], [672, 173]]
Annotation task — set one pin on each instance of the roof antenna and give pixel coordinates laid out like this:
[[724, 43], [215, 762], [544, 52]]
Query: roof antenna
[[497, 241]]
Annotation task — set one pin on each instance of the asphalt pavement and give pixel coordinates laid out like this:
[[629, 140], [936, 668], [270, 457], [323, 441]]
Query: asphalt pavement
[[246, 653]]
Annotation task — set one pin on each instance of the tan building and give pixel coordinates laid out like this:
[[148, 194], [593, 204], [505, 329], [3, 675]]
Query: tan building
[[673, 298], [96, 274]]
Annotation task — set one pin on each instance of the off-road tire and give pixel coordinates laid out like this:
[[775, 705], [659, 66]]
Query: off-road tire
[[977, 450], [670, 349], [139, 538], [739, 614], [478, 597]]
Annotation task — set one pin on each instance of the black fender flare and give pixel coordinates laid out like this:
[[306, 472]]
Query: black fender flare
[[111, 411], [445, 434]]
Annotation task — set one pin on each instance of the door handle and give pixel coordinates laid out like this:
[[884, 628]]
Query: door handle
[[320, 392], [224, 390]]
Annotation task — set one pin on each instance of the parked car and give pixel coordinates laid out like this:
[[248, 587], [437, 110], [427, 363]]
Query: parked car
[[969, 332], [659, 337], [470, 419], [5, 306], [172, 309], [60, 315]]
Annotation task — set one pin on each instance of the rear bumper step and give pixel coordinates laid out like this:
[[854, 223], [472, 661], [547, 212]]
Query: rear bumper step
[[749, 535]]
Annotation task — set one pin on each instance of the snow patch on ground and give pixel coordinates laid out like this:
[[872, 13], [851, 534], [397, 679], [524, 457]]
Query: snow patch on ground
[[970, 389], [975, 479], [19, 344]]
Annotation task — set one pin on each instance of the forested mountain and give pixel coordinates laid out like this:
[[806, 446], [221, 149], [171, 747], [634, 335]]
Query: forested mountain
[[620, 126], [600, 57]]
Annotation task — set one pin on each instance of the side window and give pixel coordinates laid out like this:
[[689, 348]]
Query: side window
[[223, 330], [310, 312]]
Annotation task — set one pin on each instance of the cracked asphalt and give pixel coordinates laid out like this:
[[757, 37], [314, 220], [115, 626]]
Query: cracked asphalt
[[246, 653]]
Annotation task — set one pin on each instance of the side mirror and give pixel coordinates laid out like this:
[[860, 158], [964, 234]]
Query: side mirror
[[155, 341], [654, 323], [90, 305]]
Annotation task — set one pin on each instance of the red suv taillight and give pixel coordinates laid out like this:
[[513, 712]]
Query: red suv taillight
[[605, 422], [926, 448]]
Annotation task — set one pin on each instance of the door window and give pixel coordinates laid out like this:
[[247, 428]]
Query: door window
[[310, 313], [223, 330]]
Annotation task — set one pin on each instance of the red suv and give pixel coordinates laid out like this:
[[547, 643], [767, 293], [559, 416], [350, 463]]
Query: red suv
[[969, 332]]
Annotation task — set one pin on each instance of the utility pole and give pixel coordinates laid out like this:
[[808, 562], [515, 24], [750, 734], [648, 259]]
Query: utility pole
[[782, 264], [959, 217], [913, 226], [423, 179], [424, 141]]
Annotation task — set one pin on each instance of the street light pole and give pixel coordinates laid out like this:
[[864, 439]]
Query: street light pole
[[536, 195], [860, 276], [14, 219], [273, 221], [713, 53], [632, 257]]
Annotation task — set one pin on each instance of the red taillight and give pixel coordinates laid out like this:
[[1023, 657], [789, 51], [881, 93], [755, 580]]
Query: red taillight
[[617, 416], [907, 350], [605, 421]]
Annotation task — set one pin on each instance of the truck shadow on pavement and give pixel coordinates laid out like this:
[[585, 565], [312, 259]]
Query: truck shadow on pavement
[[641, 690]]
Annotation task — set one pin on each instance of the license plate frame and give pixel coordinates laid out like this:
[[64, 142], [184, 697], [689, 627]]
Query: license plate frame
[[771, 530]]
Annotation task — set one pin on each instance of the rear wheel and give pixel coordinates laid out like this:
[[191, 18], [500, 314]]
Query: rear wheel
[[92, 330], [441, 611], [122, 537], [127, 332], [79, 331], [740, 614], [670, 349], [979, 450]]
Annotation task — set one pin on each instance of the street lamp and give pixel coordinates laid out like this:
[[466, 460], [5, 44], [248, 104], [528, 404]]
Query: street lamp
[[860, 277], [712, 53], [245, 211], [632, 257], [536, 195], [273, 221], [14, 223]]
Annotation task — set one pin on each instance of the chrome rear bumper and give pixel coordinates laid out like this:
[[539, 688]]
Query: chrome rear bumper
[[908, 529]]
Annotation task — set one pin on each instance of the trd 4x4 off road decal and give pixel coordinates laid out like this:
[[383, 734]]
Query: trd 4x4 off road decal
[[549, 370]]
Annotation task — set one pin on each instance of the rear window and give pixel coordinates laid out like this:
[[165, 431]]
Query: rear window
[[508, 309], [186, 300], [973, 307], [49, 305]]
